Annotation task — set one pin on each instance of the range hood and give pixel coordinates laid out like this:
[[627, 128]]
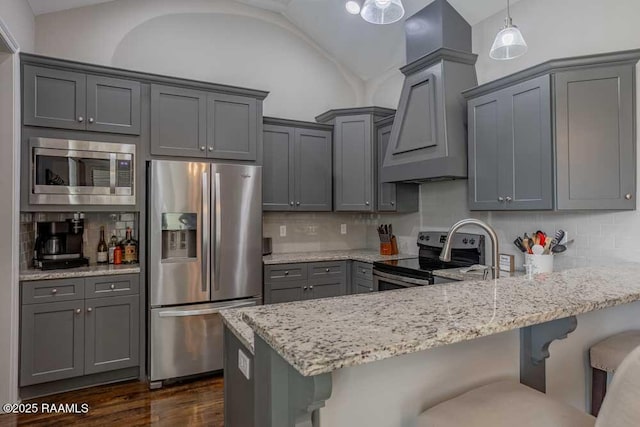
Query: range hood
[[429, 135]]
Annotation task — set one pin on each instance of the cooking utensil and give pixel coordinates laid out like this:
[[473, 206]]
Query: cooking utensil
[[547, 247], [537, 249], [519, 245], [560, 234]]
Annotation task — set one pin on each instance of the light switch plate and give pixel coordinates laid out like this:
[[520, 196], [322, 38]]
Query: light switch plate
[[343, 228], [283, 231], [243, 364]]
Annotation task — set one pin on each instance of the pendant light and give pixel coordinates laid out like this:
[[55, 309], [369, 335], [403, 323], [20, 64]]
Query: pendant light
[[382, 11], [353, 7], [509, 43]]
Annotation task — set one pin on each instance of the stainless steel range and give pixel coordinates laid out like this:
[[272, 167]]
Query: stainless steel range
[[467, 250]]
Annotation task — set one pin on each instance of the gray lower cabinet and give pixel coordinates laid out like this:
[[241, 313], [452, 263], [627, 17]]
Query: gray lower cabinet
[[193, 123], [72, 100], [361, 277], [301, 281], [297, 166], [239, 394], [510, 148], [559, 135], [63, 335]]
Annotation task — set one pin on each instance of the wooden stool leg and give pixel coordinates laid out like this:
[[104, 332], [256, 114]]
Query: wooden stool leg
[[598, 389]]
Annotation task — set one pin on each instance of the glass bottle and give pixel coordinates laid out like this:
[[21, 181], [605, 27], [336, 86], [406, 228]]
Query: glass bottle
[[130, 249], [113, 242], [103, 250]]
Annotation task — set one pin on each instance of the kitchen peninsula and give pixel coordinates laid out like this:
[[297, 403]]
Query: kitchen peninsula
[[318, 354]]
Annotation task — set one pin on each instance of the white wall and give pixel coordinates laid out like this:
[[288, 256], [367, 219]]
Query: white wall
[[223, 41], [18, 17]]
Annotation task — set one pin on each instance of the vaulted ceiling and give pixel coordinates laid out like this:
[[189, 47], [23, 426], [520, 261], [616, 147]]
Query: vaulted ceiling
[[367, 50]]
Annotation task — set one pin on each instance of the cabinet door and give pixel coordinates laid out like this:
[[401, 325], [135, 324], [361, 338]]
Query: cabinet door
[[113, 105], [527, 152], [112, 331], [54, 98], [488, 175], [274, 296], [353, 160], [312, 170], [232, 127], [178, 122], [326, 290], [386, 191], [595, 141], [51, 342], [278, 168]]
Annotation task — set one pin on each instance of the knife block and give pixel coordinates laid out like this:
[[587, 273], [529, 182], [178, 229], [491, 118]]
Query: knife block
[[389, 248]]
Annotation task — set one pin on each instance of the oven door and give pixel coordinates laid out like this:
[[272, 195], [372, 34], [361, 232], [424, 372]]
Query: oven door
[[70, 172], [383, 281]]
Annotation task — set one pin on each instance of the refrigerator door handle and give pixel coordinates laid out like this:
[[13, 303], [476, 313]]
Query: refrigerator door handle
[[204, 311], [205, 232], [218, 231]]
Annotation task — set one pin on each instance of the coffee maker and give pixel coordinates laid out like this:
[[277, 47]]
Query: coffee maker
[[59, 244]]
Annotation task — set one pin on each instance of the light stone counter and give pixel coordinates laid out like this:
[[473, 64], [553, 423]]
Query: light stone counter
[[92, 270], [234, 321], [321, 336], [456, 274], [364, 255]]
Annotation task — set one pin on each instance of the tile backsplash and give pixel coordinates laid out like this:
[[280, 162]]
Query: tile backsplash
[[113, 222]]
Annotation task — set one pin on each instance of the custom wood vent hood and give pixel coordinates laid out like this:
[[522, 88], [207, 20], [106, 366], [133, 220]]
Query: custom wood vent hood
[[429, 136]]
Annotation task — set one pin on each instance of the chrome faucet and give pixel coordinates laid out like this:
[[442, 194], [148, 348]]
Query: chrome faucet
[[445, 255]]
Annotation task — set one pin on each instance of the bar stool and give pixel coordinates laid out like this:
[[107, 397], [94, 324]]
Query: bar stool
[[605, 357], [508, 404]]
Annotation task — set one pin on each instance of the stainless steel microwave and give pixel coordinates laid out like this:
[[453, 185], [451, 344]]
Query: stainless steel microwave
[[71, 172]]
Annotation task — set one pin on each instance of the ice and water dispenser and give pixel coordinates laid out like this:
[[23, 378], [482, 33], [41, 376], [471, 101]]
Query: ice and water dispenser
[[179, 236]]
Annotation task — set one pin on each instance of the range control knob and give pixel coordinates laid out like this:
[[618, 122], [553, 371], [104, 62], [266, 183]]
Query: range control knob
[[472, 241], [428, 238], [465, 240]]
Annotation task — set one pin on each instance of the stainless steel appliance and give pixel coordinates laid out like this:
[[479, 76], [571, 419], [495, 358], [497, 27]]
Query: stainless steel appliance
[[205, 255], [466, 250], [59, 244], [71, 172]]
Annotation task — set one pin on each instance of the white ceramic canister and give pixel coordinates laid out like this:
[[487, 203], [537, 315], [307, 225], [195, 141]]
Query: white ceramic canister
[[539, 263]]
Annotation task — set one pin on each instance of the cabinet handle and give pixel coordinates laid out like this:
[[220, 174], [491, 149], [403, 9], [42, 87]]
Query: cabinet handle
[[393, 203], [509, 199], [112, 286], [304, 289], [91, 120], [366, 203], [628, 196], [291, 203], [80, 119], [500, 199], [311, 287], [78, 310], [54, 291], [210, 148], [286, 273], [327, 270], [89, 309], [202, 148], [297, 203]]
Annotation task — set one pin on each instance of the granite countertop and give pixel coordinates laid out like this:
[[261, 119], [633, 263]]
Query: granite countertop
[[364, 255], [92, 270], [456, 274], [234, 321], [320, 336]]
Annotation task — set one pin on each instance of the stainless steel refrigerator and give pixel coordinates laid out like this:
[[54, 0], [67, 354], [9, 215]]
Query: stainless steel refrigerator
[[205, 255]]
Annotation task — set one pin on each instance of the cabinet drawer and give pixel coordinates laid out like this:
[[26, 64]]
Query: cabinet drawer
[[52, 291], [362, 270], [323, 270], [285, 272], [361, 286], [106, 286]]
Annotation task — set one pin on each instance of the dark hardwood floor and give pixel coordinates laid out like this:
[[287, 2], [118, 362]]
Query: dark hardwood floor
[[193, 403]]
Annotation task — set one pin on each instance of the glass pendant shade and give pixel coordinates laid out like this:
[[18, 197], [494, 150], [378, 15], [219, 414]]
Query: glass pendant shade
[[508, 44], [382, 11]]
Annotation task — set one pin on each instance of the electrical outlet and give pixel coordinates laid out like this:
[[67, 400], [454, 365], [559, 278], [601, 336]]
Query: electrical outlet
[[243, 364], [283, 231], [343, 228]]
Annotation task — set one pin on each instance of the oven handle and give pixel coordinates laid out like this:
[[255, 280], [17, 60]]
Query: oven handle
[[401, 279]]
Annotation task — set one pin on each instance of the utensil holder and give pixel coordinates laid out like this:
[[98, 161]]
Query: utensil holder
[[386, 248], [539, 263]]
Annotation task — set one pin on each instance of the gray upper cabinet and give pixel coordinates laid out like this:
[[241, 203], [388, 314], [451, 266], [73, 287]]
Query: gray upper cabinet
[[510, 148], [113, 105], [77, 101], [400, 197], [595, 139], [232, 127], [111, 333], [559, 135], [178, 122], [54, 98], [355, 157], [297, 166]]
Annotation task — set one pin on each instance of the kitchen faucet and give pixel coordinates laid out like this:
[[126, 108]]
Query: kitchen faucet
[[445, 255]]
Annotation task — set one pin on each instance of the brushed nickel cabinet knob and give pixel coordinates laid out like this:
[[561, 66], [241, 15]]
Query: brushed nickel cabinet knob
[[80, 119], [327, 270], [202, 148], [54, 291], [297, 203], [78, 310], [91, 120], [210, 148], [291, 203], [509, 199], [366, 203], [628, 196], [500, 199], [112, 286], [89, 309], [311, 287]]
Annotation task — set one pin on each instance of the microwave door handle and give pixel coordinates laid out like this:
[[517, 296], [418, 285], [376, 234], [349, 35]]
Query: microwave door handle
[[204, 214], [218, 231], [112, 173]]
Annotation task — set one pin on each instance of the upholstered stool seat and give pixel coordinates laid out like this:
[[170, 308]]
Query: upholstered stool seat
[[605, 357], [504, 404]]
